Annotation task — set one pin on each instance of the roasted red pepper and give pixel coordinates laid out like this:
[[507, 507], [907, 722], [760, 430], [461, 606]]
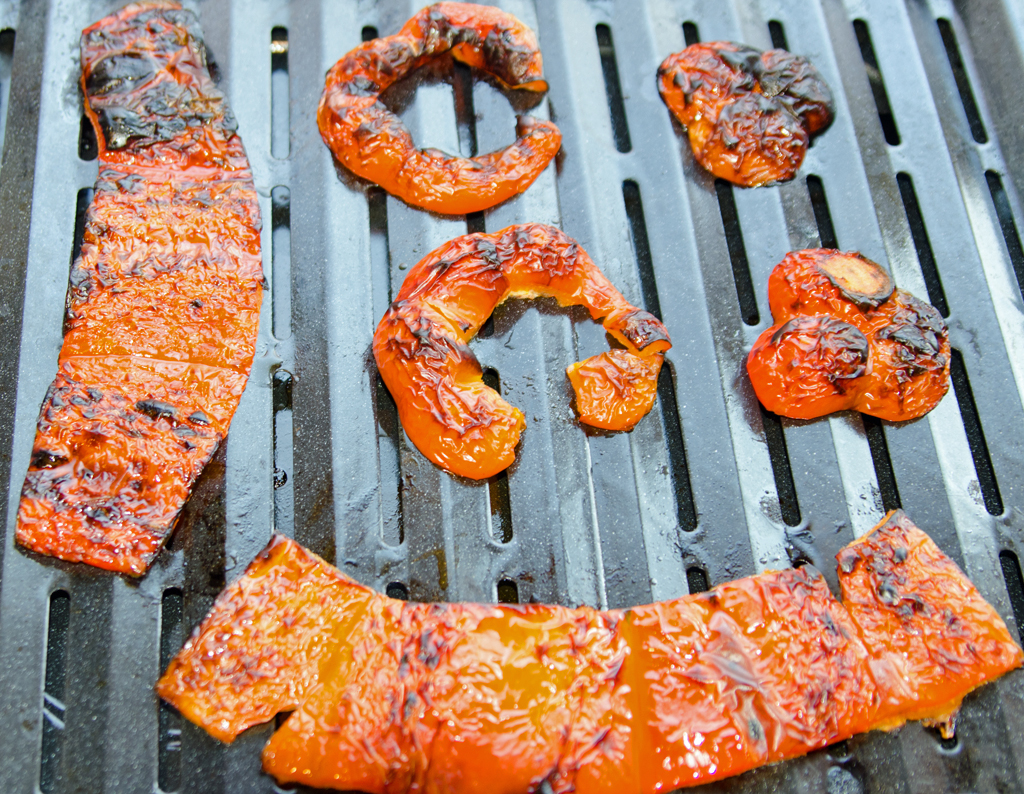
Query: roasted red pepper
[[163, 302], [371, 141], [390, 696], [749, 114], [422, 353], [845, 338]]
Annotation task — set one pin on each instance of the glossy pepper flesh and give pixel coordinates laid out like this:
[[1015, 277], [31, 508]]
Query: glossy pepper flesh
[[371, 141], [163, 301], [390, 696], [422, 352], [845, 338], [749, 114]]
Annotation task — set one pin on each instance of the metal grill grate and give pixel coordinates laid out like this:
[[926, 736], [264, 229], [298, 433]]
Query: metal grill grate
[[707, 488]]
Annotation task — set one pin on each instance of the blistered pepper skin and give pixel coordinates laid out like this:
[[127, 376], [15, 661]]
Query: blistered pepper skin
[[371, 141], [422, 353], [163, 301], [880, 351], [391, 696], [749, 114]]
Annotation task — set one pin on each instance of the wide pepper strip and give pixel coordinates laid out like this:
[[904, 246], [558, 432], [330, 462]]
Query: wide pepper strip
[[391, 696]]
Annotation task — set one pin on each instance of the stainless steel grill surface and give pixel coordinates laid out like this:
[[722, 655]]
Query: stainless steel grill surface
[[920, 171]]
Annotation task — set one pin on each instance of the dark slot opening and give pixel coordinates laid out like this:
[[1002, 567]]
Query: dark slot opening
[[948, 745], [840, 751], [88, 147], [936, 294], [1006, 222], [799, 561], [397, 589], [963, 84], [497, 486], [737, 253], [779, 456], [389, 435], [284, 496], [369, 33], [679, 472], [280, 115], [867, 52], [475, 223], [778, 34], [508, 592], [697, 580], [81, 210], [641, 246], [1014, 586], [380, 251], [281, 254], [53, 690], [465, 115], [612, 87], [172, 634], [883, 463], [975, 435], [690, 33], [822, 215]]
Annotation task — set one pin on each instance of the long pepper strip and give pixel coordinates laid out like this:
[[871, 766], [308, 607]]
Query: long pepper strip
[[391, 696], [163, 303]]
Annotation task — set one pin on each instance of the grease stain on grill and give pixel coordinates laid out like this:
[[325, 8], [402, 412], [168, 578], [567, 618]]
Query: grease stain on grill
[[1014, 581], [169, 722], [867, 52], [497, 486], [280, 103], [1008, 225], [613, 88], [778, 454], [737, 253], [54, 684], [963, 83], [975, 435], [919, 232]]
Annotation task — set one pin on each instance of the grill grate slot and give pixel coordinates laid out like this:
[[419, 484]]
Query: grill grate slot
[[280, 105], [613, 88], [822, 214], [53, 692], [172, 634], [867, 51], [697, 580], [686, 511], [936, 295], [737, 253], [975, 434], [497, 486], [1008, 225], [508, 592], [778, 34], [1014, 586], [691, 35], [884, 472], [963, 83], [779, 455]]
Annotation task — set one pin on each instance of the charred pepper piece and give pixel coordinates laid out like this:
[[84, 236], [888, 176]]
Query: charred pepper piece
[[371, 141], [163, 301], [422, 353], [844, 338], [749, 114], [391, 696]]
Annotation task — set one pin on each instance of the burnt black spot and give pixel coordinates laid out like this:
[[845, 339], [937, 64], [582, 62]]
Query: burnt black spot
[[887, 593], [412, 702], [755, 730], [184, 431], [742, 59], [199, 418], [119, 73], [900, 554], [642, 329], [44, 459], [155, 409]]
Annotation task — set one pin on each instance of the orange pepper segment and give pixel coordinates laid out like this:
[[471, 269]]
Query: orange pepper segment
[[615, 390], [421, 349], [395, 696], [749, 114], [372, 142]]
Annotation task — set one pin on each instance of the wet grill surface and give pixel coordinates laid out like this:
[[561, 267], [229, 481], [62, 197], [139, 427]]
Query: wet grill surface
[[707, 488]]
